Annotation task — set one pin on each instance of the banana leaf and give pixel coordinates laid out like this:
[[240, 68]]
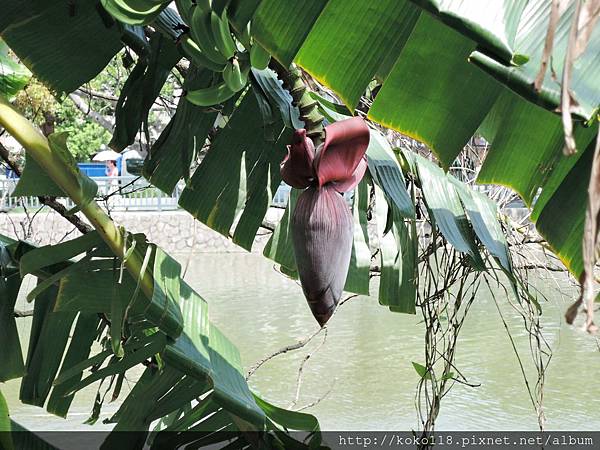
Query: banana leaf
[[35, 181], [70, 45], [397, 247], [12, 358], [13, 76], [446, 209], [47, 343], [141, 90], [170, 157], [358, 277], [5, 426], [248, 166], [80, 345], [200, 363]]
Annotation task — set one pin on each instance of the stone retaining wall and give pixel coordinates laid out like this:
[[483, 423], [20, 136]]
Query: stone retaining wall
[[174, 231]]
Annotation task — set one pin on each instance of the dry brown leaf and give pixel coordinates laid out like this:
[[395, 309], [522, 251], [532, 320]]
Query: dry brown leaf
[[584, 19], [590, 12], [590, 245], [558, 7], [566, 98]]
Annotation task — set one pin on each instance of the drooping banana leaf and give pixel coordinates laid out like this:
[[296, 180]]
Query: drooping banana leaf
[[248, 166], [177, 373], [446, 209], [279, 247], [13, 76], [358, 277], [70, 45], [170, 157], [35, 181], [141, 90], [561, 219], [83, 336], [386, 173], [47, 343], [397, 247], [10, 282]]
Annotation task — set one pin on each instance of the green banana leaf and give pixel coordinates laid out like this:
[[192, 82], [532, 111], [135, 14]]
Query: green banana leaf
[[237, 200], [34, 180], [435, 62], [360, 259], [561, 219], [230, 388], [170, 157], [165, 298], [397, 246], [80, 345], [189, 353], [332, 44], [426, 53], [10, 283], [416, 100], [70, 45], [13, 76], [446, 209], [5, 425], [491, 23], [47, 342], [199, 361], [386, 173], [483, 215], [51, 255], [141, 90], [279, 246]]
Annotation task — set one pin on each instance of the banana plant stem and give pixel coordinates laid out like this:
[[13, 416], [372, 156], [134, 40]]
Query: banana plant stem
[[36, 145], [308, 107]]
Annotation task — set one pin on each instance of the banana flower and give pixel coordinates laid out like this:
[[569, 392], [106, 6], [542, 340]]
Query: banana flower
[[322, 224]]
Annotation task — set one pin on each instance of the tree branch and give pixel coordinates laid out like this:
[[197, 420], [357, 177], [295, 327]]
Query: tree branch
[[86, 109]]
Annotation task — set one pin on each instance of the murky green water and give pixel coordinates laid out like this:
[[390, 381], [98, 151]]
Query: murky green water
[[366, 360]]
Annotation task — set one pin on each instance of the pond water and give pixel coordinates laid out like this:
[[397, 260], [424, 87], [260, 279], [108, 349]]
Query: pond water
[[365, 363]]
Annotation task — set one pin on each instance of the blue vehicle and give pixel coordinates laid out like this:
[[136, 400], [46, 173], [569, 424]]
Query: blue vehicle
[[93, 169]]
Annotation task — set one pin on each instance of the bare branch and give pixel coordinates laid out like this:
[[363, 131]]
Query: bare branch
[[86, 109]]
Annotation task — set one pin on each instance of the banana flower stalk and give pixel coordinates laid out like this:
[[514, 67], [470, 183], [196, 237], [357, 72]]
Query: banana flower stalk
[[322, 224]]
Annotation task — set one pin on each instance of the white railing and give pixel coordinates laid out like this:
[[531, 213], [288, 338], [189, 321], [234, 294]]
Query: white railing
[[131, 193], [126, 193]]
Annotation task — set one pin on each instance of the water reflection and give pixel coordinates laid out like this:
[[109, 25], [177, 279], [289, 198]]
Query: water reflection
[[366, 360]]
